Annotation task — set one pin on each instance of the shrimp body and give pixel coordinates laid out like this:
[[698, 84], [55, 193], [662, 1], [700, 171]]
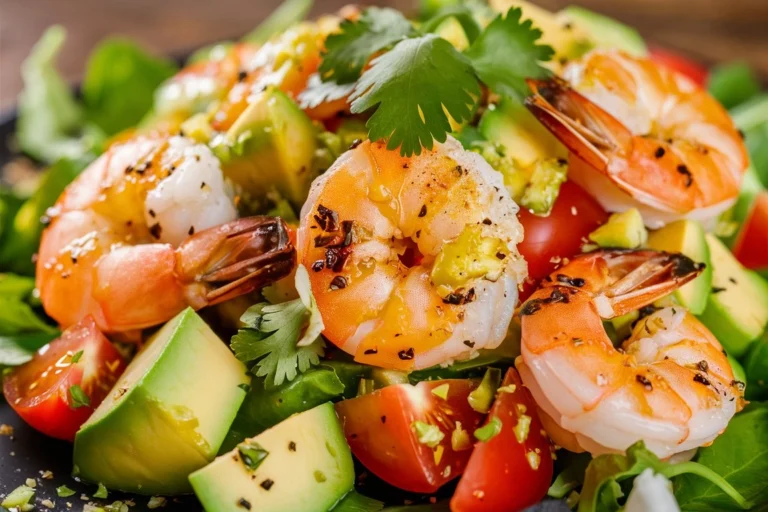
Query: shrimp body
[[413, 261], [644, 137], [669, 384], [148, 229]]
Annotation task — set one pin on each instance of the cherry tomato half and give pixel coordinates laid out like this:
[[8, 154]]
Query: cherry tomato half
[[682, 65], [558, 235], [40, 391], [751, 246], [381, 428], [513, 469]]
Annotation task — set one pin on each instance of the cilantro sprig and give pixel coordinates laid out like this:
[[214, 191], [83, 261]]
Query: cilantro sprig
[[284, 339], [423, 81]]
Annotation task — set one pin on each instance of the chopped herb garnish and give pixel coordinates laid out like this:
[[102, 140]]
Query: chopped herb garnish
[[251, 454], [101, 492], [77, 356], [489, 430], [429, 435], [19, 498], [441, 391], [78, 397], [64, 492], [481, 398]]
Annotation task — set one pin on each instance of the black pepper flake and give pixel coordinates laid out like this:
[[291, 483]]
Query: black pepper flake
[[470, 344], [318, 265], [202, 185], [383, 419], [578, 282], [701, 379], [242, 75], [642, 379], [243, 503], [500, 255], [267, 484], [191, 230], [418, 233], [423, 211], [733, 280], [292, 446], [703, 366], [371, 351], [155, 230], [534, 305], [682, 169], [406, 355], [741, 134], [738, 385], [659, 152], [717, 289], [152, 213], [355, 143], [330, 216], [73, 258], [487, 221], [338, 283]]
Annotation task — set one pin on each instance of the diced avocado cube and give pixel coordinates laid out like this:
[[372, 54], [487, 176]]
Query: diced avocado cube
[[687, 237], [308, 467], [737, 309], [167, 415], [544, 185], [623, 230], [270, 146], [607, 33]]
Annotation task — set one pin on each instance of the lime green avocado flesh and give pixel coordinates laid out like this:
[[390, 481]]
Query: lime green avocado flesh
[[167, 415], [309, 468], [606, 32], [687, 237], [737, 309]]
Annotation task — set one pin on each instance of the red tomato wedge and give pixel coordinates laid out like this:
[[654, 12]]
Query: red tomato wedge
[[513, 469], [40, 391], [547, 240], [751, 246], [682, 65], [381, 430]]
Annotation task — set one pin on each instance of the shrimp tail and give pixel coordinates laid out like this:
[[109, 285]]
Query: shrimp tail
[[585, 128], [239, 257]]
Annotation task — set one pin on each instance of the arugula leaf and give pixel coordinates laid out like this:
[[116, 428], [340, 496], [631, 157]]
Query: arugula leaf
[[50, 120], [507, 53], [348, 50], [356, 502], [287, 14], [79, 398], [19, 349], [740, 456], [120, 82], [282, 338], [412, 87], [602, 490]]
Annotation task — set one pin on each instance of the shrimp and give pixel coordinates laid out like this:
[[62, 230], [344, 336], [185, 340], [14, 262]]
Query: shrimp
[[147, 230], [413, 261], [669, 384], [643, 136]]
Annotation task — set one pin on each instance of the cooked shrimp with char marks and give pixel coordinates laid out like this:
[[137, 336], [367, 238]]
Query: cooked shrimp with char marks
[[644, 137], [669, 384], [413, 260], [148, 229]]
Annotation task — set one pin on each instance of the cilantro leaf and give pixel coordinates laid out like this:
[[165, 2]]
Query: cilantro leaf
[[507, 52], [318, 92], [283, 339], [348, 50], [79, 398], [414, 87]]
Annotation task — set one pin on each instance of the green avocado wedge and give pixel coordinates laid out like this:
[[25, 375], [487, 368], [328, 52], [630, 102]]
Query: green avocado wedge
[[301, 464], [167, 415], [737, 308], [607, 33]]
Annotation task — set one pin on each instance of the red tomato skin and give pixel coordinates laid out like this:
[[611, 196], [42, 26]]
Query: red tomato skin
[[558, 235], [670, 60], [751, 246], [378, 429], [49, 410], [499, 477]]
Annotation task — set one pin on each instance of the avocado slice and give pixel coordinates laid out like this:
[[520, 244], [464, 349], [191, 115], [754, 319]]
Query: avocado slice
[[687, 237], [271, 146], [303, 463], [737, 308], [167, 415], [607, 33], [623, 230]]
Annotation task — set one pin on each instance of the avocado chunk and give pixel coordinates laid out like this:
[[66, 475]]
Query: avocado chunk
[[687, 237], [270, 146], [737, 308], [303, 463], [623, 230], [167, 415], [607, 33]]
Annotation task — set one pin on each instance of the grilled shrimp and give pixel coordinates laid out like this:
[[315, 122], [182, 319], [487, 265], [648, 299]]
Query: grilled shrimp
[[413, 261], [644, 137], [147, 230], [669, 384]]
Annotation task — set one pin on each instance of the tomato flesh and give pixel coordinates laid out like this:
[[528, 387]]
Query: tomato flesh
[[559, 235], [751, 247], [40, 390], [670, 60], [505, 473], [379, 428]]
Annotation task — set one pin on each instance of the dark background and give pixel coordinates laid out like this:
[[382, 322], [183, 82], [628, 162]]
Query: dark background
[[708, 30]]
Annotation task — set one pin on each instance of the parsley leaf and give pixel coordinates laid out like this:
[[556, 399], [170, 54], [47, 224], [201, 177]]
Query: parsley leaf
[[79, 398], [413, 87], [348, 50], [283, 339], [506, 53]]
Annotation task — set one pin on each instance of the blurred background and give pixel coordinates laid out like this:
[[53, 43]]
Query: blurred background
[[709, 31]]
